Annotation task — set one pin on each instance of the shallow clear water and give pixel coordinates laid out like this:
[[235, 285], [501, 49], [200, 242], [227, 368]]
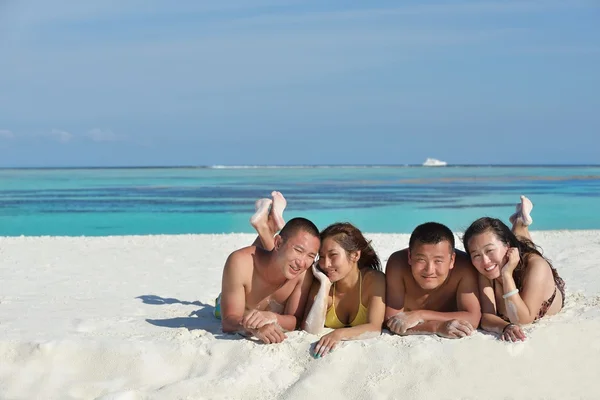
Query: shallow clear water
[[95, 202]]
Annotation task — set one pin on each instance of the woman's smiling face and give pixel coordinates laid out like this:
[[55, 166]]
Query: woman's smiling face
[[487, 254], [334, 260]]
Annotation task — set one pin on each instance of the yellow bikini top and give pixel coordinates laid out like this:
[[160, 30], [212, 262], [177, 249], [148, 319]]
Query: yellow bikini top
[[332, 320]]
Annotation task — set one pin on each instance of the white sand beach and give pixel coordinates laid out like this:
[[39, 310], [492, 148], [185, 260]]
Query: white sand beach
[[131, 318]]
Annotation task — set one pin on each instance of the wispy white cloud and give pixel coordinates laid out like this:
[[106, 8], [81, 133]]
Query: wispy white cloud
[[94, 135], [6, 134], [103, 135], [59, 135]]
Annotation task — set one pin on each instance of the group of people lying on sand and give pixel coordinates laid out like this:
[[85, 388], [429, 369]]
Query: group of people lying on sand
[[428, 288]]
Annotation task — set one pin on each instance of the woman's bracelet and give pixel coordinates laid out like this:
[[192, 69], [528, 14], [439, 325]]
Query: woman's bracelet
[[507, 326], [511, 293]]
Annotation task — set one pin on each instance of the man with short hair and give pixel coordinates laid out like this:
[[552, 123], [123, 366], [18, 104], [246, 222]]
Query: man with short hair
[[264, 292], [431, 288]]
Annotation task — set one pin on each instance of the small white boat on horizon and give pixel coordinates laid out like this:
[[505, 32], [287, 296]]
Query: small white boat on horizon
[[432, 162]]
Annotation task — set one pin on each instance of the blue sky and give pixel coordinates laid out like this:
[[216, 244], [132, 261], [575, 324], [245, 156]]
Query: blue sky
[[99, 83]]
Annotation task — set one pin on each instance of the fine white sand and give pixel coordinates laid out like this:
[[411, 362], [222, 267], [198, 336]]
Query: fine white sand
[[131, 318]]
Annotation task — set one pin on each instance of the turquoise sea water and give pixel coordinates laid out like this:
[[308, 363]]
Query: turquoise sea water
[[98, 202]]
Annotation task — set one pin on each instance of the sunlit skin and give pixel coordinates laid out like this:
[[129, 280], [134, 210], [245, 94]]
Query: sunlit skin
[[490, 257], [336, 266], [431, 263], [339, 267], [431, 290], [264, 292], [496, 262], [334, 262], [297, 254], [488, 254]]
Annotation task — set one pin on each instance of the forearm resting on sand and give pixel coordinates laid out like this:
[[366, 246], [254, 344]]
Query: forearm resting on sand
[[315, 320], [233, 324], [411, 323], [424, 328], [471, 317], [270, 332], [493, 323], [451, 329], [360, 332], [427, 321], [329, 341], [254, 319], [286, 322]]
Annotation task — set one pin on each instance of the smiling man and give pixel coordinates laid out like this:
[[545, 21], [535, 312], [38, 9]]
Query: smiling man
[[431, 288], [264, 292]]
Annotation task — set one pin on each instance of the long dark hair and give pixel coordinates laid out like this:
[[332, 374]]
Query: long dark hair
[[350, 238], [505, 235]]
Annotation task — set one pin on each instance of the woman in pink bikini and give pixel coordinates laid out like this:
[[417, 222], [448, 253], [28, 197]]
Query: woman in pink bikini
[[517, 284]]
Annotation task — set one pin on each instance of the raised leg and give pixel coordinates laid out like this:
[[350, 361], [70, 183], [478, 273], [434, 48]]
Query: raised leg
[[276, 220], [268, 219], [260, 222], [521, 219]]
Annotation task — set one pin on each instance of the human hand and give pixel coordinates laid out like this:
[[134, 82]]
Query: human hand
[[327, 343], [512, 260], [321, 277], [512, 333], [403, 321], [255, 319], [455, 329], [270, 333]]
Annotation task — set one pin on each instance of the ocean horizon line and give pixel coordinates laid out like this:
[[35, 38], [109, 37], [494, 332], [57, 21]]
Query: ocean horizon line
[[295, 166], [457, 232]]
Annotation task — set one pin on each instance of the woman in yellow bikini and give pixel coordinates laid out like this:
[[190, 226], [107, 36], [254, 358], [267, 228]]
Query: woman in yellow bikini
[[348, 295]]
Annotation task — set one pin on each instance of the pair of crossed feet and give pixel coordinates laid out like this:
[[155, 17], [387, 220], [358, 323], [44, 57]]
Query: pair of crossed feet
[[269, 213], [523, 212]]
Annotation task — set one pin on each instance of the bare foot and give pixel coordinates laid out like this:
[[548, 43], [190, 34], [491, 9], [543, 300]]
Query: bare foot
[[277, 222], [526, 207], [260, 218], [513, 218]]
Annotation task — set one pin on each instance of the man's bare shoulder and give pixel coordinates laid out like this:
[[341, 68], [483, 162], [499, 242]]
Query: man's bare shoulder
[[398, 262], [245, 251], [463, 268], [242, 259]]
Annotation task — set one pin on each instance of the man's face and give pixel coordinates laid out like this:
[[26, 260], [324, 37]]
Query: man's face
[[431, 263], [297, 253]]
